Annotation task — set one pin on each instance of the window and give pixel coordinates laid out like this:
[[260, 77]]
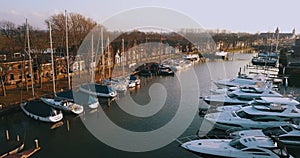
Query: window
[[20, 66], [287, 128], [237, 144], [273, 131], [232, 95], [12, 77], [17, 55], [20, 76], [243, 114]]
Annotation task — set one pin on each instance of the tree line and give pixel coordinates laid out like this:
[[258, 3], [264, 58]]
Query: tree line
[[13, 37]]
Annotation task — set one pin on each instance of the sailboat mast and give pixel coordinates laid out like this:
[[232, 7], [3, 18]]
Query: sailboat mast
[[30, 61], [123, 57], [103, 68], [52, 61], [67, 49], [108, 63], [93, 61]]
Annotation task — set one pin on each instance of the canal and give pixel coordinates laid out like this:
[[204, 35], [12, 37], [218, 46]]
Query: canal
[[143, 122]]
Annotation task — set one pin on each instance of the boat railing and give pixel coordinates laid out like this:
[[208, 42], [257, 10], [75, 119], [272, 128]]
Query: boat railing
[[185, 139]]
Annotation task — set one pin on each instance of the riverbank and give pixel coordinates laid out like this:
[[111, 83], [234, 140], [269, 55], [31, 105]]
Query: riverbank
[[10, 102]]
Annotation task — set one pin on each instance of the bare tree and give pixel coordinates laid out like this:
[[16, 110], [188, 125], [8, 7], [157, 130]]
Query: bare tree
[[8, 30], [79, 26]]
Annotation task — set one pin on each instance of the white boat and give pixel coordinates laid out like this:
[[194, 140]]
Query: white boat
[[242, 95], [133, 81], [222, 54], [192, 57], [255, 116], [93, 102], [98, 90], [288, 134], [262, 101], [223, 90], [63, 104], [117, 85], [242, 80], [245, 147], [41, 112]]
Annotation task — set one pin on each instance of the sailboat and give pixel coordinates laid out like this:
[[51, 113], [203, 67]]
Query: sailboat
[[62, 104], [96, 89], [37, 110]]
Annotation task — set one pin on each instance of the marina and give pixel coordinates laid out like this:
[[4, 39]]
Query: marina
[[75, 139]]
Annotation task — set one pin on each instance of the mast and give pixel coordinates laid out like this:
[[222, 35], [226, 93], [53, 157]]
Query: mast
[[93, 61], [67, 49], [52, 61], [30, 61], [103, 68], [108, 63], [122, 57]]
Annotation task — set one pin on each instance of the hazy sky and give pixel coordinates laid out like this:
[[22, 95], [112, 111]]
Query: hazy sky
[[235, 15]]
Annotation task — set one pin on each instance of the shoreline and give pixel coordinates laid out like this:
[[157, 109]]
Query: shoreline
[[15, 96]]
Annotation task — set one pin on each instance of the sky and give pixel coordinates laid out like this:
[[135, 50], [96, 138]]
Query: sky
[[235, 15]]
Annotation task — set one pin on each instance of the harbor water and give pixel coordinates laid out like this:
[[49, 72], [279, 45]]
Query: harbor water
[[74, 139]]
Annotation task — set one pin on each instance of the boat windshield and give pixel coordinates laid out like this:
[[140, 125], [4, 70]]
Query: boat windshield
[[276, 130], [243, 114], [231, 95], [237, 144]]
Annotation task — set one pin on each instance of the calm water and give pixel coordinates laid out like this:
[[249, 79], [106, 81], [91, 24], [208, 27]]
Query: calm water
[[79, 142]]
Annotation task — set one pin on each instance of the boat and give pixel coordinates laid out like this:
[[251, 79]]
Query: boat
[[265, 102], [133, 81], [265, 59], [221, 54], [287, 134], [242, 80], [98, 90], [256, 116], [191, 57], [41, 112], [117, 85], [223, 90], [166, 71], [245, 147], [63, 104], [80, 98], [242, 95]]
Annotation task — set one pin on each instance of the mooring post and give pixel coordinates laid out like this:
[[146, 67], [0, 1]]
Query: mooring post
[[36, 143], [7, 135], [68, 126]]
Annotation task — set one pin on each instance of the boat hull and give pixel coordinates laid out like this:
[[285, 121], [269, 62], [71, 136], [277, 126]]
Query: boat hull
[[55, 118]]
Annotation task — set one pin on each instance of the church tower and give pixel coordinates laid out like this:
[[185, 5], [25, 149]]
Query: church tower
[[294, 33]]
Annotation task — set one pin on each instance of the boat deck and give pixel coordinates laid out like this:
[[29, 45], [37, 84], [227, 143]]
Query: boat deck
[[38, 108]]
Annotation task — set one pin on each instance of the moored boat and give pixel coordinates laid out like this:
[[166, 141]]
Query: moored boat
[[263, 147], [255, 117], [64, 104], [288, 134], [41, 112], [98, 90]]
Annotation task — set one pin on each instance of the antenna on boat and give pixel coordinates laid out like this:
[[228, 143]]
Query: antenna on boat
[[52, 60], [30, 60]]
